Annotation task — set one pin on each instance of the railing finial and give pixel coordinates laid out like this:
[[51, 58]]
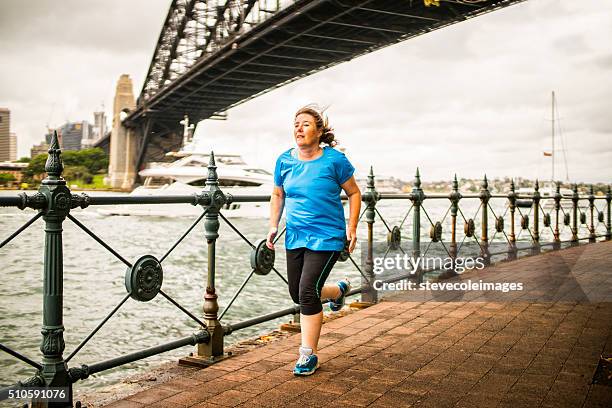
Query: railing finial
[[212, 178], [54, 165], [485, 183]]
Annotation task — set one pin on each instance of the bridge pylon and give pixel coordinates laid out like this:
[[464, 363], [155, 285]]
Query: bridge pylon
[[124, 141]]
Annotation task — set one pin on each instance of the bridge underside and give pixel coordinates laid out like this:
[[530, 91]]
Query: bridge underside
[[299, 40]]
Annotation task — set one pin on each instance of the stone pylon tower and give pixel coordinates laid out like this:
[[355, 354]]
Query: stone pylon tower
[[123, 143]]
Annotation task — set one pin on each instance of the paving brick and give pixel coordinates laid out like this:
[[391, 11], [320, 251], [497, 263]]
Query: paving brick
[[357, 398], [152, 395], [182, 399], [181, 384], [599, 397], [231, 398], [256, 386], [125, 404], [271, 398], [218, 385]]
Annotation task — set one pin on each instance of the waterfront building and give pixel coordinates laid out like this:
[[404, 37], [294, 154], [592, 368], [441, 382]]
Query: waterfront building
[[15, 169], [5, 135]]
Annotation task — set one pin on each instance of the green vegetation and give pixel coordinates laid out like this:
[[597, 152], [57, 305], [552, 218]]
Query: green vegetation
[[24, 160], [96, 183], [81, 168], [6, 178]]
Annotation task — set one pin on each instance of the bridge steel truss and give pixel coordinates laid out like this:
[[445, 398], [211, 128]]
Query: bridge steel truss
[[213, 55]]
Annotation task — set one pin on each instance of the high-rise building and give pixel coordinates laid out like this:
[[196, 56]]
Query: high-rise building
[[5, 134], [42, 148], [73, 134], [13, 146], [99, 128]]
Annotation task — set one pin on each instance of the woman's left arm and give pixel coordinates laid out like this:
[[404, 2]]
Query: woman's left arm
[[354, 197]]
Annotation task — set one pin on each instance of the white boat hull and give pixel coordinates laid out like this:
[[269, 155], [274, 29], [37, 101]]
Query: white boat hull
[[235, 210]]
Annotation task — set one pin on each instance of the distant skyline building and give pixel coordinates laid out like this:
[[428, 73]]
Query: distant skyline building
[[42, 148], [73, 134], [99, 127], [13, 146], [5, 134]]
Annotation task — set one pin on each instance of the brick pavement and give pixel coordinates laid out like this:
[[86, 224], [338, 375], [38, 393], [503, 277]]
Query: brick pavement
[[537, 347]]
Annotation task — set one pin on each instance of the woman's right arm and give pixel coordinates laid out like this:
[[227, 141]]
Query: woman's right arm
[[277, 204]]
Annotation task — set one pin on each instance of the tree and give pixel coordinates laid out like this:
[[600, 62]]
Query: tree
[[24, 160], [36, 166], [6, 178], [74, 173], [94, 160]]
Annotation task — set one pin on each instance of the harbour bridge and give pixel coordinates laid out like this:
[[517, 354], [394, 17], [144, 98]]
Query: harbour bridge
[[212, 55]]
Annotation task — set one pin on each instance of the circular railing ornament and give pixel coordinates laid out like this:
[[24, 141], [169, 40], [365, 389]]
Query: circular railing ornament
[[143, 280], [546, 220], [262, 258], [499, 224], [394, 238], [344, 254], [469, 228], [600, 216], [525, 221], [435, 232], [566, 219], [582, 217]]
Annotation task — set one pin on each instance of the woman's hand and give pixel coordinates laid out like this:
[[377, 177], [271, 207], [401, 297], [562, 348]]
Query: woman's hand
[[271, 235], [351, 236], [354, 195]]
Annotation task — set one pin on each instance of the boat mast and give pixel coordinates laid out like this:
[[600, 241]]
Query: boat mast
[[553, 138]]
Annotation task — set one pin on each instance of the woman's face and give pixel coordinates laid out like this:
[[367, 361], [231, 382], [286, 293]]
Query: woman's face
[[305, 130]]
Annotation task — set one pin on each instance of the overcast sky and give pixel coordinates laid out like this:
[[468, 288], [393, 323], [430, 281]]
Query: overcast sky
[[470, 98]]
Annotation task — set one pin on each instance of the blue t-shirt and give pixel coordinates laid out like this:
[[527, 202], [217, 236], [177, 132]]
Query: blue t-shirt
[[315, 217]]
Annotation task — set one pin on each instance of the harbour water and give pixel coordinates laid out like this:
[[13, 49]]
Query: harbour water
[[94, 281]]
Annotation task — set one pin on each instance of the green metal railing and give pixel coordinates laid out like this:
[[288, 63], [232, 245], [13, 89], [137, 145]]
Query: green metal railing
[[144, 277]]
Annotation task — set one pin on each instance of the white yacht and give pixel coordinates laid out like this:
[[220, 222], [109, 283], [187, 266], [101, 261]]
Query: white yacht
[[187, 175], [547, 197]]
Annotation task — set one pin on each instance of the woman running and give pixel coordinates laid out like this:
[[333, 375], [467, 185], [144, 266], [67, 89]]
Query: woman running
[[308, 180]]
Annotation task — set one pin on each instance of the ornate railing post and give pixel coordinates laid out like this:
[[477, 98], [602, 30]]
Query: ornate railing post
[[370, 294], [556, 235], [454, 198], [214, 348], [57, 197], [512, 236], [609, 214], [575, 199], [592, 209], [417, 198], [485, 195], [536, 218]]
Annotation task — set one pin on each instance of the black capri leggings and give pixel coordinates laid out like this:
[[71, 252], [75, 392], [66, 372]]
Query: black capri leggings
[[306, 272]]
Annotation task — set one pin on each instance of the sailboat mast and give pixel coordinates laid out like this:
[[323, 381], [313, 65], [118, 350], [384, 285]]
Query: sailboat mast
[[553, 137]]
